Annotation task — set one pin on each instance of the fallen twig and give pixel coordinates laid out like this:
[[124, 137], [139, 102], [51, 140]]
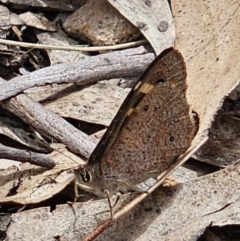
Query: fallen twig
[[26, 156]]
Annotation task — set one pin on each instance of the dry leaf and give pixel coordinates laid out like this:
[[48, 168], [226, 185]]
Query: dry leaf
[[152, 18], [209, 42], [19, 131], [33, 184], [64, 5], [96, 104], [98, 23], [7, 20], [222, 148], [37, 21], [59, 39]]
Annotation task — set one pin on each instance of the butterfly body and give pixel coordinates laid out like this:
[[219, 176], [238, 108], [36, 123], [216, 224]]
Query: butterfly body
[[153, 127]]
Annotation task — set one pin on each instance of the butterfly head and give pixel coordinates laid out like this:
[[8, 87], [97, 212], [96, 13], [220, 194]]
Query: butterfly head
[[92, 179]]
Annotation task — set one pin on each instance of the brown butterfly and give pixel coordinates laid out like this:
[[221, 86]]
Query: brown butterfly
[[153, 127]]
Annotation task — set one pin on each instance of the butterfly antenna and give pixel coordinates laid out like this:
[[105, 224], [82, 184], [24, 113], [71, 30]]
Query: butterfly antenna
[[45, 144]]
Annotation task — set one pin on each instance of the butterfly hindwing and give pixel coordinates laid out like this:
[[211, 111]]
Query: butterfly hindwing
[[153, 126]]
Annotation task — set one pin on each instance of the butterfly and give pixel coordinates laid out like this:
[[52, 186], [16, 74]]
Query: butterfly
[[152, 128]]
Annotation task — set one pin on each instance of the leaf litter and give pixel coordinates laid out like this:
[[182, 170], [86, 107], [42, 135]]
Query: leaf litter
[[213, 73]]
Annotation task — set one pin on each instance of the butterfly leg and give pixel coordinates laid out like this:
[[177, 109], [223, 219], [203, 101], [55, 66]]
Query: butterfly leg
[[76, 194], [109, 202]]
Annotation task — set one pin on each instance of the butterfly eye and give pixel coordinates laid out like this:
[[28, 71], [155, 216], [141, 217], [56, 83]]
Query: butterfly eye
[[86, 175], [145, 107], [160, 81], [171, 138]]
